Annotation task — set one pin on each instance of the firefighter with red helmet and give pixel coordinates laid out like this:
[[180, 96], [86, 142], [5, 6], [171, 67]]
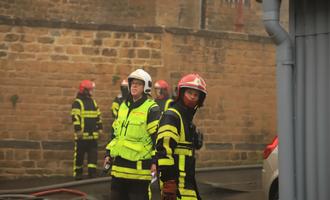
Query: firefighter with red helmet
[[131, 150], [178, 139], [86, 118], [162, 94], [118, 100]]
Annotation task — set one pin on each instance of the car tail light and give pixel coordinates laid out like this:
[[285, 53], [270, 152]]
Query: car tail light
[[270, 147]]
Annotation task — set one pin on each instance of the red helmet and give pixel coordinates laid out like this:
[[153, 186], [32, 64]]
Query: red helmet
[[193, 81], [86, 84], [124, 83], [162, 85], [124, 88], [162, 89]]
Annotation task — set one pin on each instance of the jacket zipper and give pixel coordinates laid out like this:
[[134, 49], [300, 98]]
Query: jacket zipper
[[126, 121]]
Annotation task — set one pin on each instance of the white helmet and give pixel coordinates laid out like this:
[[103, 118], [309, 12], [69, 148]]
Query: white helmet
[[142, 75]]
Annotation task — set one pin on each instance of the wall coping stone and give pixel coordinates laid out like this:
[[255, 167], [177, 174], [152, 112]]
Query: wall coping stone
[[4, 20]]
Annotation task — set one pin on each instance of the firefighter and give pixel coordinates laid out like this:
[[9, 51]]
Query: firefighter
[[162, 94], [86, 118], [178, 139], [118, 100], [131, 151]]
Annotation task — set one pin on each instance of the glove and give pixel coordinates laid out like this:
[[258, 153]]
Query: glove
[[169, 190], [107, 160], [153, 170], [106, 165], [199, 139]]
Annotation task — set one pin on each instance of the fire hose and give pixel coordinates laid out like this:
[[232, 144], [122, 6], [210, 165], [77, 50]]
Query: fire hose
[[37, 192]]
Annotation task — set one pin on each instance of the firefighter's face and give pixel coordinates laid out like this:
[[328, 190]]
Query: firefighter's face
[[158, 92], [137, 87], [91, 91], [191, 97]]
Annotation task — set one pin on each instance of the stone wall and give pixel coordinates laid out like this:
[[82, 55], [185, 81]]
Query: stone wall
[[41, 68], [215, 15], [244, 16], [44, 56], [179, 13], [240, 112], [139, 12]]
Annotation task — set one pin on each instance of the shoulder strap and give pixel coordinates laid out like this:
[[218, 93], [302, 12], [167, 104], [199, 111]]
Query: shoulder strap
[[80, 103], [182, 135], [95, 104]]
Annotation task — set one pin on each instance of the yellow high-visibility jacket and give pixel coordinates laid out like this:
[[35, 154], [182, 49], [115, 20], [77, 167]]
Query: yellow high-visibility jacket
[[132, 147]]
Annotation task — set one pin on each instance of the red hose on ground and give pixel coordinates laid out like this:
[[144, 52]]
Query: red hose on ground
[[72, 191]]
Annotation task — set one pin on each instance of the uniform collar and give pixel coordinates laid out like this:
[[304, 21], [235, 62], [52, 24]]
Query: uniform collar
[[82, 96], [186, 112], [131, 104]]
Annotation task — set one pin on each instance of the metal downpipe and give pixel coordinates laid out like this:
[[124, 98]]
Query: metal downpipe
[[284, 74]]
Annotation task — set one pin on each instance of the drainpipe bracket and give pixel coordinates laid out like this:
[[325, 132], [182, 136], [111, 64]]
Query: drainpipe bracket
[[271, 15]]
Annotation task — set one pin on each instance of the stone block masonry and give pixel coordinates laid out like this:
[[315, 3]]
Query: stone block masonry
[[216, 15], [42, 63]]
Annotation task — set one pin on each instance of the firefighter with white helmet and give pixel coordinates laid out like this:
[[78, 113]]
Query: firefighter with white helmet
[[86, 118], [177, 140], [131, 151]]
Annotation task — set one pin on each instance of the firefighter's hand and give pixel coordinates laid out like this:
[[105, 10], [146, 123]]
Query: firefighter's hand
[[153, 169], [199, 139], [106, 166], [169, 190], [107, 160]]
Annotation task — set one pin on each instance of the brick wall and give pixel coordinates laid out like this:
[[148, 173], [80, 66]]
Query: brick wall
[[41, 68]]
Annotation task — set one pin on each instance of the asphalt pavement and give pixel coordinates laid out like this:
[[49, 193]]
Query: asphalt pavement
[[235, 183]]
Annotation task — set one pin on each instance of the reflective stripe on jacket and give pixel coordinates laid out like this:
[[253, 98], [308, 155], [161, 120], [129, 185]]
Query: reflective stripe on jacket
[[164, 104], [132, 140], [175, 153], [167, 104], [132, 146], [115, 106], [86, 118]]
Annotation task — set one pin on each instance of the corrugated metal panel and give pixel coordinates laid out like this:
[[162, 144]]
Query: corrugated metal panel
[[310, 32]]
